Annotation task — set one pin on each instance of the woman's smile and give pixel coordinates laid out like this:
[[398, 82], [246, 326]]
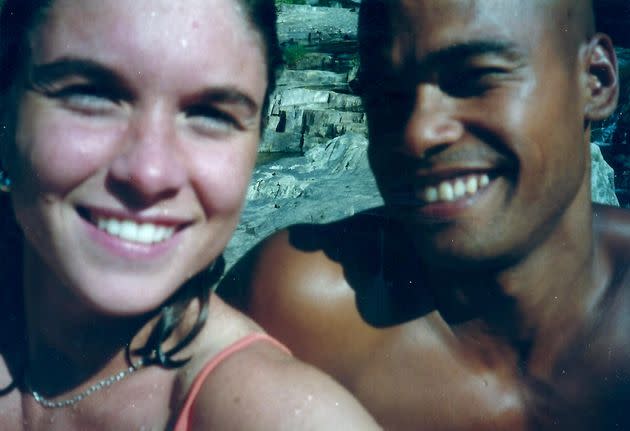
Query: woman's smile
[[134, 236]]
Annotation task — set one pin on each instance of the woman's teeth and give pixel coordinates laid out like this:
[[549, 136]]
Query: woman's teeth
[[128, 230], [450, 190]]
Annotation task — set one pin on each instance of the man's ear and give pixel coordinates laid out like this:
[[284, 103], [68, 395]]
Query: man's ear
[[602, 78]]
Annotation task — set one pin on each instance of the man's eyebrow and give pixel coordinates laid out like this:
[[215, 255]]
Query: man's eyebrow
[[474, 48], [228, 95], [47, 73]]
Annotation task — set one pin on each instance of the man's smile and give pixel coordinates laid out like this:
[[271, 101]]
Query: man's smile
[[449, 190]]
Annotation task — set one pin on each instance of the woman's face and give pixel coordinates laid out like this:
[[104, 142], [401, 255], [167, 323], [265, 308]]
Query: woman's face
[[135, 142]]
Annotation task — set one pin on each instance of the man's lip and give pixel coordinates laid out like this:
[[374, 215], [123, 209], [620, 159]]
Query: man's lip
[[422, 178], [440, 210]]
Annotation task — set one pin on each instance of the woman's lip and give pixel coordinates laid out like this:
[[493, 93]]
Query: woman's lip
[[91, 214], [130, 250], [130, 235]]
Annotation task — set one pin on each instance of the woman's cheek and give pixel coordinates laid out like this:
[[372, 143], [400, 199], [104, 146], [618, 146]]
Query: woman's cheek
[[59, 154], [223, 179]]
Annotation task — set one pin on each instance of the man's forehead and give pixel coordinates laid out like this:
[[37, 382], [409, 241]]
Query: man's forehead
[[485, 6], [428, 24], [473, 7]]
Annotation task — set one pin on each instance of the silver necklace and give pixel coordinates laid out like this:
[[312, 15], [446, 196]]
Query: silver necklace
[[102, 384]]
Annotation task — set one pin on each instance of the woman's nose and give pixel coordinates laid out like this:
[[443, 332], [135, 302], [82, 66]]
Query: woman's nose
[[149, 168]]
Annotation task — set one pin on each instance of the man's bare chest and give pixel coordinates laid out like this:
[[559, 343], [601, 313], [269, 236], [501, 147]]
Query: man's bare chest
[[416, 381]]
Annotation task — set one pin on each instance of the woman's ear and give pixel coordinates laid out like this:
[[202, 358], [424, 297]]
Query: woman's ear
[[4, 136], [8, 114], [602, 78]]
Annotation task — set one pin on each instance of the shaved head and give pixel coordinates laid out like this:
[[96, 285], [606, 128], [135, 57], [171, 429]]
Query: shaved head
[[574, 21], [567, 23], [578, 16]]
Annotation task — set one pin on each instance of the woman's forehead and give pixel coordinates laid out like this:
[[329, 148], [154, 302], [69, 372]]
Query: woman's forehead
[[158, 39], [140, 24]]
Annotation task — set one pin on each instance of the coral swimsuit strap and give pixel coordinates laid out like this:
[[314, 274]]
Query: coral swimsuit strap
[[182, 423]]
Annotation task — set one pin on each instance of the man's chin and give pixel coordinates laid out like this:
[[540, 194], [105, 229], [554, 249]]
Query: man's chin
[[453, 254]]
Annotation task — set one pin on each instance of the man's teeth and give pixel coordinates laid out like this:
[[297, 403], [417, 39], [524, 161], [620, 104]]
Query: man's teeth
[[144, 233], [450, 190]]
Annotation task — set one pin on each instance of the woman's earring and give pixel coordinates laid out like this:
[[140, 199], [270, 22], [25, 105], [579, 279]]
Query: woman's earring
[[5, 182]]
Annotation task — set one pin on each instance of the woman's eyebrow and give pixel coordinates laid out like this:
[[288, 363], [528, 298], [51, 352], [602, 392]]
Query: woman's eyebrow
[[94, 71], [71, 66]]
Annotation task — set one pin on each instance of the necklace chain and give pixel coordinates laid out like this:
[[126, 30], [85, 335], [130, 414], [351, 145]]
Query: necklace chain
[[101, 384]]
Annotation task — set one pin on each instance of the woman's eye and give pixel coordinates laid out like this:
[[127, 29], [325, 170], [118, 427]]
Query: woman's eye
[[87, 99], [208, 120]]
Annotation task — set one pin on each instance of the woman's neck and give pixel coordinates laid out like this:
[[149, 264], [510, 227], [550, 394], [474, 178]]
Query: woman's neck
[[67, 343]]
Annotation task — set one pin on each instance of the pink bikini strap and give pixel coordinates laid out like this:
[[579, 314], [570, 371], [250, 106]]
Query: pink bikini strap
[[182, 421]]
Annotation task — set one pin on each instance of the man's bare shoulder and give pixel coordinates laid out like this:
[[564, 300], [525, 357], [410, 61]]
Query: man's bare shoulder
[[313, 285], [304, 260], [363, 263]]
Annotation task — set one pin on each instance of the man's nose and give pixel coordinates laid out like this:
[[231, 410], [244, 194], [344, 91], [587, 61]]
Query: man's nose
[[432, 122], [148, 168]]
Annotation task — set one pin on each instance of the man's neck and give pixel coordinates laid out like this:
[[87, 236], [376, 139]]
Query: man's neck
[[541, 300]]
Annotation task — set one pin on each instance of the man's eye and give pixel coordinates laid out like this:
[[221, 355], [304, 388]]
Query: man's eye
[[208, 120], [472, 82], [85, 99]]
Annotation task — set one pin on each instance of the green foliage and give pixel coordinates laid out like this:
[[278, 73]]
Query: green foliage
[[293, 54]]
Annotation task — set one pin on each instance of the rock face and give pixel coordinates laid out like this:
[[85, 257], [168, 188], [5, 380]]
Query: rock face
[[314, 115], [329, 182], [305, 117], [329, 34], [602, 178], [313, 102]]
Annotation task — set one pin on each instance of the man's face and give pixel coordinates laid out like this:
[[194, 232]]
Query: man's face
[[477, 127]]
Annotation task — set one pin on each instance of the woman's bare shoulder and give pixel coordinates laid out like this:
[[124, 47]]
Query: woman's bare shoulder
[[263, 387]]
